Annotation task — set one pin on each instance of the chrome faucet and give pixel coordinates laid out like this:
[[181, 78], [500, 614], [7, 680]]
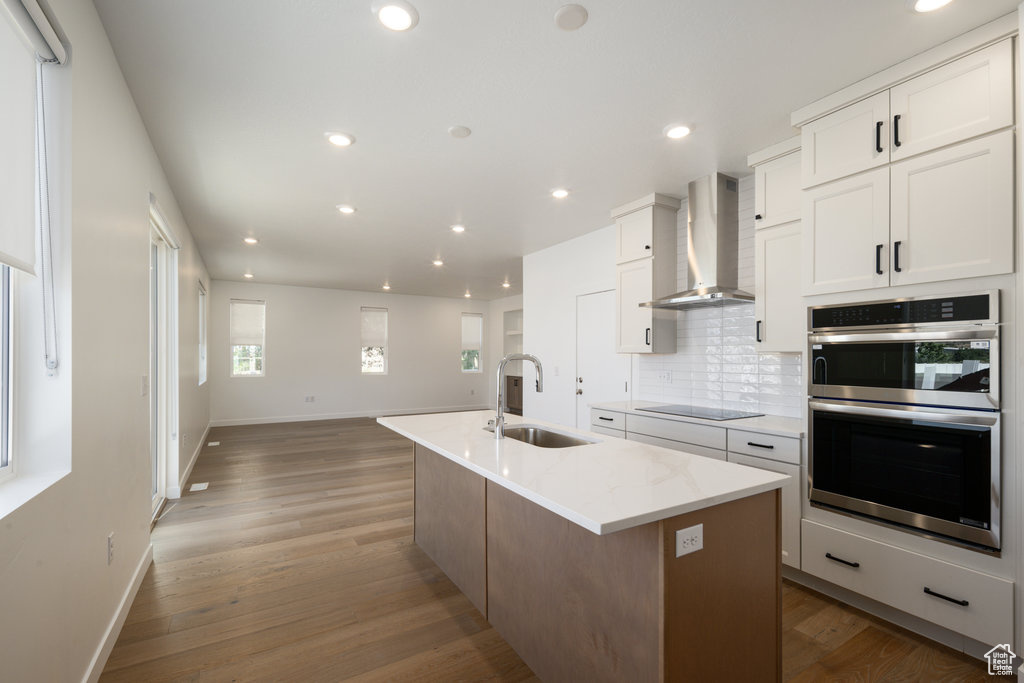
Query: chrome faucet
[[499, 419]]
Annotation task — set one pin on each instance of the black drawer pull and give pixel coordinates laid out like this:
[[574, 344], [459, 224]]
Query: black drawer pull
[[878, 258], [962, 603], [839, 559], [760, 445], [878, 137], [607, 419], [758, 217], [647, 336], [757, 332], [896, 256], [896, 130]]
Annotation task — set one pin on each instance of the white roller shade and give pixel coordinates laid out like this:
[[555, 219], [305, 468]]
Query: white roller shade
[[17, 149], [248, 323], [472, 331], [374, 325]]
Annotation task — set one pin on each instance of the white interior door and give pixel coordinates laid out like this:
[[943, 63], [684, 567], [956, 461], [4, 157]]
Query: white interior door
[[601, 373], [163, 364]]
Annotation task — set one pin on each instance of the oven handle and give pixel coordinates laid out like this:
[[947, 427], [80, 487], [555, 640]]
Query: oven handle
[[906, 413], [990, 332]]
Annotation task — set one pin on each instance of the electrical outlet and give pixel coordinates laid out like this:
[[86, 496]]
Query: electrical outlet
[[310, 399], [689, 540], [665, 377], [110, 548]]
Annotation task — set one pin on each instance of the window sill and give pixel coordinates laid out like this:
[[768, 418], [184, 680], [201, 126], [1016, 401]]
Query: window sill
[[22, 488]]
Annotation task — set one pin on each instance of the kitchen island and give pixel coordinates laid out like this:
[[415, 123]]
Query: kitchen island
[[572, 554]]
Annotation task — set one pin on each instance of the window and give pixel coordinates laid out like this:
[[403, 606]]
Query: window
[[374, 323], [202, 334], [472, 340], [248, 332]]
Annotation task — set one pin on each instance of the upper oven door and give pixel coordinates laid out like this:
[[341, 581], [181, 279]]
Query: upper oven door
[[944, 367]]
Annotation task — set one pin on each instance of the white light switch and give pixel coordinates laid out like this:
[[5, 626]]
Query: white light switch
[[689, 540]]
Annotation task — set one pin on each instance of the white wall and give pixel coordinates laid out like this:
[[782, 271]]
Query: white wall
[[495, 341], [313, 349], [60, 599], [552, 279]]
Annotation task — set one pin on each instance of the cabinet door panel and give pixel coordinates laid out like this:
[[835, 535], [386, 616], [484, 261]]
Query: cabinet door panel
[[635, 235], [952, 212], [777, 191], [778, 304], [965, 98], [844, 142], [635, 324], [843, 223], [792, 491]]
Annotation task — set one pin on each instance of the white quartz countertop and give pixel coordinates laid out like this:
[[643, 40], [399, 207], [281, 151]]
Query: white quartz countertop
[[766, 424], [606, 486]]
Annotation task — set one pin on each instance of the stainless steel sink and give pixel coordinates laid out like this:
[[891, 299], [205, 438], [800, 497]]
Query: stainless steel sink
[[545, 438]]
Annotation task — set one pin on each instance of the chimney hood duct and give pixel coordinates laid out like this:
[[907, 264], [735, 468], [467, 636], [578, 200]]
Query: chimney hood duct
[[712, 250]]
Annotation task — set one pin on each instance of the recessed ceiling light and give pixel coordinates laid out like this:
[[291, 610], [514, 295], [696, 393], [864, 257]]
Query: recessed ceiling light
[[386, 286], [675, 132], [251, 240], [560, 193], [438, 262], [571, 17], [396, 15], [466, 294], [341, 139], [346, 208], [459, 132], [248, 276], [929, 5], [505, 284], [458, 228]]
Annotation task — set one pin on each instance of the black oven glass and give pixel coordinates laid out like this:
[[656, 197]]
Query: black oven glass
[[960, 366], [928, 468]]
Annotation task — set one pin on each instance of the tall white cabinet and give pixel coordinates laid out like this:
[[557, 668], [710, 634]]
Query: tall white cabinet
[[915, 183], [646, 270], [779, 309]]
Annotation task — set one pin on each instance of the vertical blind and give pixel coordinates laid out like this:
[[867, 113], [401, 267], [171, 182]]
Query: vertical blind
[[374, 325], [248, 322], [472, 331]]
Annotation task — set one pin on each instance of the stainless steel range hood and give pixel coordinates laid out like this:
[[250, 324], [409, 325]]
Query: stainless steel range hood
[[713, 242]]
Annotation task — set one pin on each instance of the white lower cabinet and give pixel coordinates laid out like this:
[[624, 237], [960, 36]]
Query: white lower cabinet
[[977, 605], [598, 429], [791, 498], [696, 449]]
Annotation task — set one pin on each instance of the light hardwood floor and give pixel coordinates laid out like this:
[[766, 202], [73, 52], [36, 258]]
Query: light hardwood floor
[[297, 564]]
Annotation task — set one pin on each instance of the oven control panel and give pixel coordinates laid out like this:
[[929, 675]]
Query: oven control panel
[[974, 308]]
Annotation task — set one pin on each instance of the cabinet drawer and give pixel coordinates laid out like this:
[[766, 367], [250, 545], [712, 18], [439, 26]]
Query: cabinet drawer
[[899, 577], [791, 494], [598, 429], [607, 419], [715, 453], [701, 435], [781, 448]]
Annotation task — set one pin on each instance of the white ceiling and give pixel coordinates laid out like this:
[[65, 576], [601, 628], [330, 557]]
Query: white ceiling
[[237, 96]]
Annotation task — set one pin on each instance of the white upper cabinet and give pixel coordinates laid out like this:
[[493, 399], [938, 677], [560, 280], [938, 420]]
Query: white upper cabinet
[[952, 212], [845, 142], [635, 235], [963, 99], [779, 309], [846, 234], [777, 191]]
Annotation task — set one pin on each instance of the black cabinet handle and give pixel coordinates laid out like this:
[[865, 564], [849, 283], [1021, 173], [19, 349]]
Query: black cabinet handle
[[878, 258], [648, 336], [896, 130], [839, 559], [647, 247], [607, 419], [757, 331], [757, 217], [761, 445], [878, 136], [962, 603], [896, 256]]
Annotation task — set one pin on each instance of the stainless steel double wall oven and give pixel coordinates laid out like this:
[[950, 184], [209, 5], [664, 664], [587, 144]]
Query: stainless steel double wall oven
[[904, 414]]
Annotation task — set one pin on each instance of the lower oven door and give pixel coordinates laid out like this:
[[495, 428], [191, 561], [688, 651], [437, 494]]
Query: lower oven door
[[931, 469]]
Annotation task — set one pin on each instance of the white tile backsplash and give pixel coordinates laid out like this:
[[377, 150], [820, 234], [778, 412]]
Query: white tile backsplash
[[716, 363]]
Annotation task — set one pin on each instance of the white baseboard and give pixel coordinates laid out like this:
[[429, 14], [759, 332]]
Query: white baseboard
[[233, 422], [99, 659], [174, 492]]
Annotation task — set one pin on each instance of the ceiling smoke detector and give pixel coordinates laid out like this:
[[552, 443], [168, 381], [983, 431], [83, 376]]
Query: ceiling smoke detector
[[571, 17]]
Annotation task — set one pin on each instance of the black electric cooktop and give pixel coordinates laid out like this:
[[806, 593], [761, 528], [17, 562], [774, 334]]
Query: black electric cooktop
[[701, 412]]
